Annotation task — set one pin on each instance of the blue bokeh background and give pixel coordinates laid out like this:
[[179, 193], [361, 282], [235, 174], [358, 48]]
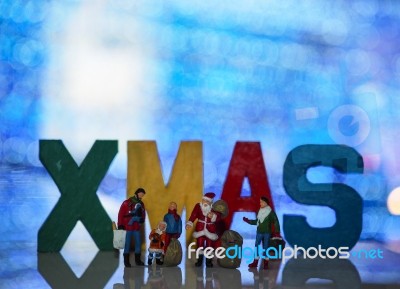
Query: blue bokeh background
[[285, 73]]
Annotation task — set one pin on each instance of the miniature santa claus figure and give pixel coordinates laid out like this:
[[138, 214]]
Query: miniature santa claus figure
[[157, 242], [205, 230]]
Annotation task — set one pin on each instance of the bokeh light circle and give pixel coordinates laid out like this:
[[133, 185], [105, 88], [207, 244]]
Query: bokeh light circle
[[393, 201]]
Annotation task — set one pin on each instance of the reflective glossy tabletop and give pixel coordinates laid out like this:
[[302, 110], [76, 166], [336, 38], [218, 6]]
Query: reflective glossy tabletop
[[81, 265]]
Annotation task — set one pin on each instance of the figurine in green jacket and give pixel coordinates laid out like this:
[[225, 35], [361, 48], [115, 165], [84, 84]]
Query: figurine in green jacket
[[267, 224]]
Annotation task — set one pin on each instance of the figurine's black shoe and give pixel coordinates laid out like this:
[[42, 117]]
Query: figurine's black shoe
[[126, 260], [138, 261], [149, 261], [199, 261], [159, 262], [209, 262]]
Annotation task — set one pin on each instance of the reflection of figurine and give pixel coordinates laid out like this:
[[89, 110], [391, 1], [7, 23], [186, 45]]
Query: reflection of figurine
[[217, 278], [267, 223], [266, 278], [205, 230], [130, 218], [200, 279], [165, 278], [156, 278], [222, 278], [133, 278], [157, 242], [173, 277], [174, 225]]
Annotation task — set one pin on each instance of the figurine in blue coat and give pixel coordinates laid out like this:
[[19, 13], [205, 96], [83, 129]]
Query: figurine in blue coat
[[174, 225]]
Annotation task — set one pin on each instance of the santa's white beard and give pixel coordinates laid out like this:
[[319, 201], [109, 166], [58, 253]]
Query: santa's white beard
[[159, 231], [205, 208]]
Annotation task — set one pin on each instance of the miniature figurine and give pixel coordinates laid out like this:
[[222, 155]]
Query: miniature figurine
[[157, 242], [174, 225], [267, 223], [130, 218], [205, 230]]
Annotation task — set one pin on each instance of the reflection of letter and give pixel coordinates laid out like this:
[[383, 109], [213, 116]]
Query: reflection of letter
[[185, 185], [58, 274], [341, 272], [344, 200]]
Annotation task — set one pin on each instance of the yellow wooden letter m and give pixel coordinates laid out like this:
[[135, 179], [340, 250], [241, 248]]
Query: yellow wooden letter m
[[185, 186]]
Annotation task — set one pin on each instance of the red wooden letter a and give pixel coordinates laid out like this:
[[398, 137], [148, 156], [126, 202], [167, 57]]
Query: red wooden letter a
[[247, 161]]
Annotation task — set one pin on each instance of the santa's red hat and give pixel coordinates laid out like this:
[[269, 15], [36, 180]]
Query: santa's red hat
[[209, 197]]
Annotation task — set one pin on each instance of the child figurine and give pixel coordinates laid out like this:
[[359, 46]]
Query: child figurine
[[174, 225], [157, 242], [267, 223]]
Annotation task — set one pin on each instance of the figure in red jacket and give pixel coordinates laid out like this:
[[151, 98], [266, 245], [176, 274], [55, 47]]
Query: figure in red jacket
[[130, 218], [205, 230]]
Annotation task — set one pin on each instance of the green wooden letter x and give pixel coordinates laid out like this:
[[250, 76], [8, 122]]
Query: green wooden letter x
[[78, 186]]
